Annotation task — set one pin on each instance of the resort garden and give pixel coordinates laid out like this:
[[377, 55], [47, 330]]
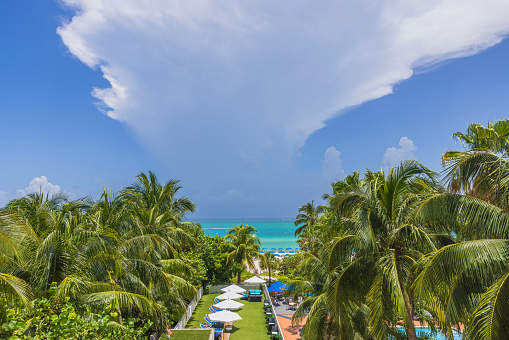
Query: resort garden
[[388, 252]]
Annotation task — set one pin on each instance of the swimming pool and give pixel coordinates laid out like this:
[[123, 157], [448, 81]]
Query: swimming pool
[[421, 330]]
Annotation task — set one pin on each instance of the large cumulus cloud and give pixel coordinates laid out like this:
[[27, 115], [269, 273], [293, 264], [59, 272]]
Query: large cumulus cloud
[[236, 87]]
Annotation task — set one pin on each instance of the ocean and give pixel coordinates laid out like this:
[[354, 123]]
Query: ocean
[[274, 233]]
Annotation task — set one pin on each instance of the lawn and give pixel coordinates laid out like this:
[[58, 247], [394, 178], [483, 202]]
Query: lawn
[[201, 309], [190, 335], [251, 327]]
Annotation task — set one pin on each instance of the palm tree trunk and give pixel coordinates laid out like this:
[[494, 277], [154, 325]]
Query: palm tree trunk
[[412, 334], [238, 278], [269, 276]]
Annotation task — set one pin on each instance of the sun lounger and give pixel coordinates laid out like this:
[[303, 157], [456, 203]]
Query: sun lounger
[[202, 327]]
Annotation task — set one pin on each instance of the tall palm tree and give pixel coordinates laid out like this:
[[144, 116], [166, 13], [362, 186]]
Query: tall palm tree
[[468, 282], [269, 262], [307, 217], [480, 170], [377, 243], [121, 251], [247, 246], [156, 212]]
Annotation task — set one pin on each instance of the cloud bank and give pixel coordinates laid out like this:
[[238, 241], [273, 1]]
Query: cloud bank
[[234, 88]]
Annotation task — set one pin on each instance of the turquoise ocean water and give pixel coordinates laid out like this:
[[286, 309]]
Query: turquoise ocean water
[[274, 233]]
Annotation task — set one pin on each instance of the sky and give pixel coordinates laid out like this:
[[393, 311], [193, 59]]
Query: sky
[[255, 106]]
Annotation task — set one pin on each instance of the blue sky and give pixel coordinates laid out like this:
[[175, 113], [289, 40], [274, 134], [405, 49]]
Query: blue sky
[[256, 115]]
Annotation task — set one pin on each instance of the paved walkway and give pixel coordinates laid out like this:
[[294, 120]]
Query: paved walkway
[[283, 309], [290, 332]]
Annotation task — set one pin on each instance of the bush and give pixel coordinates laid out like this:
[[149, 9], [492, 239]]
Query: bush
[[57, 319]]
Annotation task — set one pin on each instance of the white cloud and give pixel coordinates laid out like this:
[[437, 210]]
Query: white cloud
[[332, 164], [40, 184], [393, 156], [219, 87]]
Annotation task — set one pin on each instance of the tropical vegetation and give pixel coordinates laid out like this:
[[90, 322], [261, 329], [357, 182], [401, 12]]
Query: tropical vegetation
[[246, 247], [388, 250], [408, 245], [122, 254]]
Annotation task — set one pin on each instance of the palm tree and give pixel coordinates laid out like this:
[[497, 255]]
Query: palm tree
[[481, 170], [156, 214], [269, 262], [247, 246], [121, 251], [376, 244], [467, 282], [307, 217]]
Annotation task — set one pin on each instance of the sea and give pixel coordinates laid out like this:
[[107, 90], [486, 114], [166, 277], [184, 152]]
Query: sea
[[274, 233]]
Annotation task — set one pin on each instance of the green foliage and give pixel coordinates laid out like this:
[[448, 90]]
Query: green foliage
[[396, 246], [199, 273], [247, 245], [288, 265], [214, 251], [53, 318], [126, 251]]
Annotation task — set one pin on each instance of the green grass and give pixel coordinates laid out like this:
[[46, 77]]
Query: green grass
[[190, 335], [201, 309], [251, 327]]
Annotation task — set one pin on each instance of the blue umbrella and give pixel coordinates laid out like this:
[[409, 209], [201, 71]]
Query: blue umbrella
[[278, 255], [278, 284], [287, 255], [261, 252], [281, 251], [273, 289]]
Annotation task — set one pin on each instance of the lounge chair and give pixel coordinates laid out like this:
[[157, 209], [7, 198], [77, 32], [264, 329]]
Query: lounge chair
[[274, 330], [216, 300], [202, 327]]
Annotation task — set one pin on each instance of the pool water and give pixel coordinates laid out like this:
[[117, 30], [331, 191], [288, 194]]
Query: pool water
[[439, 336]]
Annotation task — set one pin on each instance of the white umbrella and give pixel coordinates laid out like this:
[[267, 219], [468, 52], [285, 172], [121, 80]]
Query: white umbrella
[[229, 304], [224, 316], [233, 288], [229, 296], [254, 280]]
